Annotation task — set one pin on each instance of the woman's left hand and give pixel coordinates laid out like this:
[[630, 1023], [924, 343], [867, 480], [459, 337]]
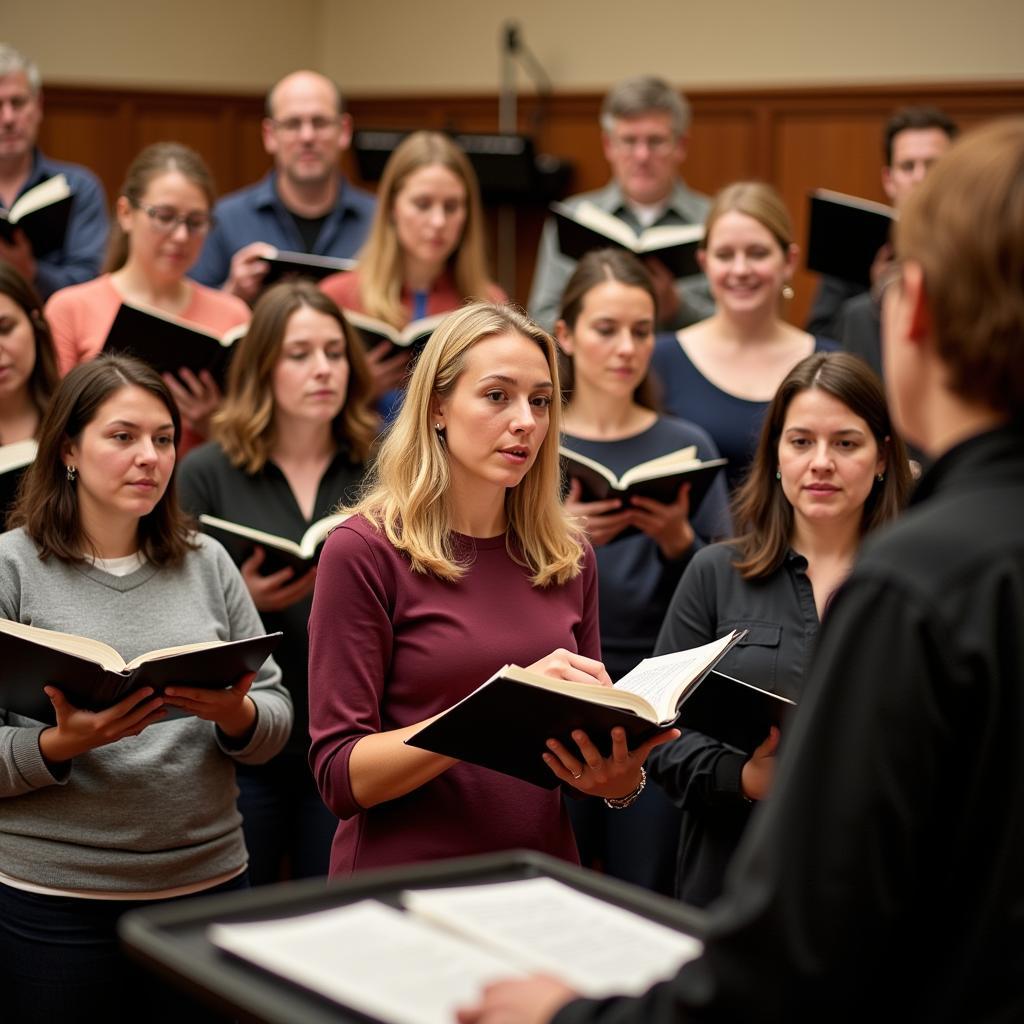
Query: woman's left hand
[[231, 710], [669, 525], [197, 397], [590, 772]]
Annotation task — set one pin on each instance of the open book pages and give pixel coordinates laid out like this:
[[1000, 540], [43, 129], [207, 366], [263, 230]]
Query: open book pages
[[664, 465], [652, 690], [660, 237], [95, 650], [17, 455], [855, 202], [418, 967], [412, 332], [52, 190], [304, 548]]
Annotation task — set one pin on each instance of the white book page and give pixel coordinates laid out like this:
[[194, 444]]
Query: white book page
[[662, 681], [372, 958], [544, 925], [605, 223], [46, 192], [664, 236]]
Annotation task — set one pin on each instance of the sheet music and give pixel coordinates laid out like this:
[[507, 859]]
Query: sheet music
[[372, 958], [545, 925]]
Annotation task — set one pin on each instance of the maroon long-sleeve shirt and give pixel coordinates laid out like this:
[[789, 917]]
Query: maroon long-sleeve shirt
[[390, 647]]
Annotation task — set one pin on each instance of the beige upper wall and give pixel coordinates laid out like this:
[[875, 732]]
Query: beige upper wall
[[401, 46]]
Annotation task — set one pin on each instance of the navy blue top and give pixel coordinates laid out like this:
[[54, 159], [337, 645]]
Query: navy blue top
[[734, 423], [81, 256], [257, 214], [635, 580]]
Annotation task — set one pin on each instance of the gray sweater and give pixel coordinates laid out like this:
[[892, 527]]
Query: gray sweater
[[152, 811]]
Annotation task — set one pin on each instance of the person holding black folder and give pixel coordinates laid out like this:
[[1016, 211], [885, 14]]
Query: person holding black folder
[[605, 331], [109, 810], [162, 216], [882, 880], [458, 560], [291, 442], [425, 253], [722, 372], [829, 468]]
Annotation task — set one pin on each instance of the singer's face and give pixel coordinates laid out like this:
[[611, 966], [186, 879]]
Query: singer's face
[[645, 154]]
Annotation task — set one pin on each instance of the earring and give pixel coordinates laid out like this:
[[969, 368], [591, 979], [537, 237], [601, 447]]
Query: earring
[[72, 472], [787, 292], [439, 430], [778, 474], [880, 478]]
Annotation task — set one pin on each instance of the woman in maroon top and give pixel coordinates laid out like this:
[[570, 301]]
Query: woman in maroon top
[[459, 560]]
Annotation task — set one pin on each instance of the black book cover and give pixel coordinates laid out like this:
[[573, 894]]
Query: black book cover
[[595, 487], [45, 228], [284, 265], [29, 665], [168, 344], [733, 712], [845, 234]]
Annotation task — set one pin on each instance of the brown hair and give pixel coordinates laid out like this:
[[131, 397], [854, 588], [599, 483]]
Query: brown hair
[[380, 261], [758, 200], [47, 504], [964, 226], [763, 515], [595, 268], [915, 119], [155, 160], [244, 424], [43, 380]]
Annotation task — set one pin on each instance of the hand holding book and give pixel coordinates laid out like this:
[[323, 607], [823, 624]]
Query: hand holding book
[[278, 590]]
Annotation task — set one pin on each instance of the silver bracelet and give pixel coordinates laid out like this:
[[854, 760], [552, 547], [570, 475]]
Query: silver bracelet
[[619, 803]]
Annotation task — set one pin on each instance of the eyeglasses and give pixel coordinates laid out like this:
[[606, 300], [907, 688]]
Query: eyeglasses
[[656, 144], [294, 125], [166, 219]]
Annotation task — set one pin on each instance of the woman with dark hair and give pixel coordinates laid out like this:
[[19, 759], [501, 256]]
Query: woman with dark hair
[[425, 253], [28, 366], [828, 469], [292, 439], [161, 218], [457, 560], [606, 333], [110, 810]]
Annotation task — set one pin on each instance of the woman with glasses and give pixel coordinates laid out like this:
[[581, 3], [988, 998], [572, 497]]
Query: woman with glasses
[[161, 219], [425, 253]]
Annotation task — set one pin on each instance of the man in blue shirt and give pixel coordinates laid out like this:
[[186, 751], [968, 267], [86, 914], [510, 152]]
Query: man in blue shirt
[[22, 167], [303, 204]]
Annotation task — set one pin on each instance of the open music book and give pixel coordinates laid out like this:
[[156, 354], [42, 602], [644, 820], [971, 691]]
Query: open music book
[[420, 965], [240, 540], [410, 338], [93, 676], [585, 227], [302, 264], [42, 213], [505, 723], [14, 460]]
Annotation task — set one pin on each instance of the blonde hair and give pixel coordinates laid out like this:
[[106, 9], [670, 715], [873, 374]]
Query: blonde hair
[[244, 424], [380, 261], [758, 200], [408, 488]]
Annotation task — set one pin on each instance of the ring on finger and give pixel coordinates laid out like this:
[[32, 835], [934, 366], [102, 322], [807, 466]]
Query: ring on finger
[[578, 775]]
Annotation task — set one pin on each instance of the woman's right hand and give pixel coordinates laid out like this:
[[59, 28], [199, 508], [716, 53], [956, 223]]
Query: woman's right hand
[[563, 664], [600, 519], [758, 773], [387, 368], [278, 590], [78, 731]]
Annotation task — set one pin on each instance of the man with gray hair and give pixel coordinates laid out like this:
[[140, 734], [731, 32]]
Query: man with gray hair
[[644, 126], [23, 166]]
